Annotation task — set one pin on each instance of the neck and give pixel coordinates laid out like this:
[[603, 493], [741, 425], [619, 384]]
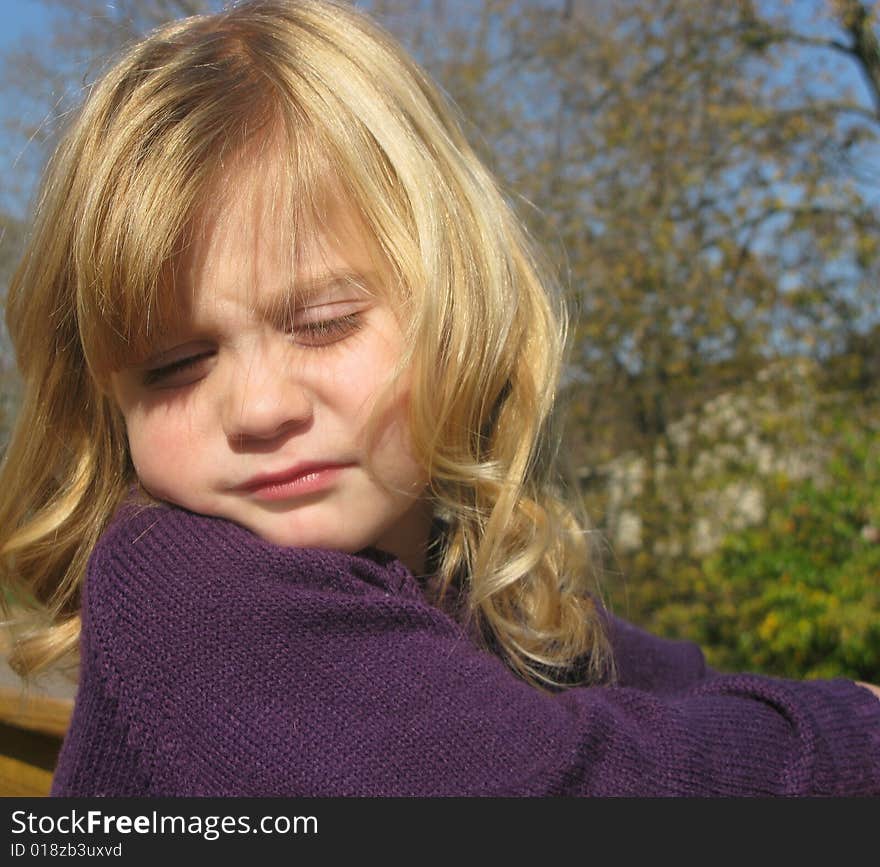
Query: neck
[[408, 540]]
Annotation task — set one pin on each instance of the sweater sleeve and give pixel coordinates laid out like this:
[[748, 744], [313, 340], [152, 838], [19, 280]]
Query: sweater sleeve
[[217, 664], [659, 665]]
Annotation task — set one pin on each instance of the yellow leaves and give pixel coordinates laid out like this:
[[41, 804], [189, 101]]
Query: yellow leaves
[[643, 561], [768, 627]]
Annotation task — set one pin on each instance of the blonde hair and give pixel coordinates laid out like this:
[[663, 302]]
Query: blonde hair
[[338, 97]]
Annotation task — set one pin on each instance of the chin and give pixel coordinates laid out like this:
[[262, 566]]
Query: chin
[[288, 537]]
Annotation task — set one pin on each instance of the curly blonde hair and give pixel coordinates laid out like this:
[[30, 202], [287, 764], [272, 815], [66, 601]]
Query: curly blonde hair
[[337, 97]]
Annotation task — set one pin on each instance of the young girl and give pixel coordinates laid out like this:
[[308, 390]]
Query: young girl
[[283, 478]]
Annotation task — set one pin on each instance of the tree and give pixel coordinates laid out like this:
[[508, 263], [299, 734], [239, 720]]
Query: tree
[[716, 212]]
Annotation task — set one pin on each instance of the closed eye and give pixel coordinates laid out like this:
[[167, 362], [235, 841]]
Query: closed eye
[[326, 331], [181, 372]]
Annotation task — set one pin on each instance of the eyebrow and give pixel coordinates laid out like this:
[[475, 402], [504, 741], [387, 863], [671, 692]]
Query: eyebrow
[[305, 290]]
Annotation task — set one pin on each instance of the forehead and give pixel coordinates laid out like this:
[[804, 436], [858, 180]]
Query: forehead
[[251, 241], [254, 224]]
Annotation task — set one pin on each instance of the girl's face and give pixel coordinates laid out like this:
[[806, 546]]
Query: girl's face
[[254, 409]]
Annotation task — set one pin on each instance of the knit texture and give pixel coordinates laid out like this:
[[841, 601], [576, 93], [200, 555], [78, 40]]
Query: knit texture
[[214, 663]]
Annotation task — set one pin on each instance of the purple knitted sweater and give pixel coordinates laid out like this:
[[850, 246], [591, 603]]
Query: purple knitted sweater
[[215, 663]]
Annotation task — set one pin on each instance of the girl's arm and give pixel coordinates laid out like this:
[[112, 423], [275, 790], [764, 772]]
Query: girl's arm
[[659, 665], [214, 663]]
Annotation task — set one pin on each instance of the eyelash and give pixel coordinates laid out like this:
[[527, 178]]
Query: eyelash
[[325, 332], [328, 331], [158, 375]]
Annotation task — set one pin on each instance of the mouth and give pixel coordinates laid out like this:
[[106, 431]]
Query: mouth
[[305, 478]]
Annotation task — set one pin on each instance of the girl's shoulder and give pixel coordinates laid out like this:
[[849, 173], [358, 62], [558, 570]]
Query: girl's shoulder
[[170, 545], [157, 550], [142, 522]]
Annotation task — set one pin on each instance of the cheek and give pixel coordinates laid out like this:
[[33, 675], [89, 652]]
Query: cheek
[[360, 380], [163, 453], [393, 455]]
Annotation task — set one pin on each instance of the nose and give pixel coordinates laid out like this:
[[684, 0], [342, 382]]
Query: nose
[[265, 398]]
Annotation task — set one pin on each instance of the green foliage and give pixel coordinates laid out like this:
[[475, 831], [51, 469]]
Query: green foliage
[[798, 596]]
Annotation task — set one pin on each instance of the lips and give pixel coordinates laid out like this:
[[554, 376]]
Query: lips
[[284, 477]]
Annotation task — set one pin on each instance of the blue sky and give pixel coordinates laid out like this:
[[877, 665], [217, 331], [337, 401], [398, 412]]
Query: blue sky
[[19, 17], [19, 20]]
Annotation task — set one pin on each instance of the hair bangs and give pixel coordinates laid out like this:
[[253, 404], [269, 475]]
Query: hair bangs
[[154, 139]]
